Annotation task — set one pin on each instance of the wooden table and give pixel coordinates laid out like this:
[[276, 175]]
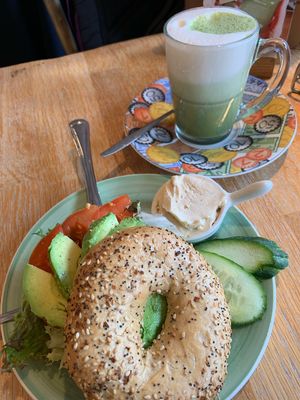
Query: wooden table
[[37, 169]]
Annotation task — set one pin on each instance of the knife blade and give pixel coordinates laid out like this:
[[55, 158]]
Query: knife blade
[[135, 135]]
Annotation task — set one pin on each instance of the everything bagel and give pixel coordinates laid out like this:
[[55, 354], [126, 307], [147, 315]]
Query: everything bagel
[[104, 352]]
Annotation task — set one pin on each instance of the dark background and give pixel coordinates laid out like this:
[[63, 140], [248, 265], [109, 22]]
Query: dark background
[[27, 32]]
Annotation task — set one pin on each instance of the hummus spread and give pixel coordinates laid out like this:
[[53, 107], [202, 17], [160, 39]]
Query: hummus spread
[[191, 202]]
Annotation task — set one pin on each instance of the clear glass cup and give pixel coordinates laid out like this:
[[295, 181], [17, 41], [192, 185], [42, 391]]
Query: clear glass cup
[[208, 82]]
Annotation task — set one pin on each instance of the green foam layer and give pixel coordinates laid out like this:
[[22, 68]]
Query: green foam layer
[[221, 22]]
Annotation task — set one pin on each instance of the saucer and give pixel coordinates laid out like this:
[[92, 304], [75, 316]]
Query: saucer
[[267, 134]]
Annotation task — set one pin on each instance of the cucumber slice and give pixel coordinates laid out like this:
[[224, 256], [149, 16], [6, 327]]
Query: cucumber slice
[[280, 257], [245, 295], [258, 256]]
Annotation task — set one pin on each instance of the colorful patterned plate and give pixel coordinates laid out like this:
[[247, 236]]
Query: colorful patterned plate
[[267, 134], [44, 382]]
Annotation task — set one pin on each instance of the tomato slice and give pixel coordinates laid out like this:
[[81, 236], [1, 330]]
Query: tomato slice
[[39, 257], [116, 206], [77, 224]]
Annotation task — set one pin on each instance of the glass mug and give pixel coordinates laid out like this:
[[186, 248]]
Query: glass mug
[[208, 81]]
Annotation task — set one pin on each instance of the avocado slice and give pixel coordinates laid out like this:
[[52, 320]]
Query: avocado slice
[[130, 222], [64, 255], [98, 230], [43, 295], [155, 313], [106, 226]]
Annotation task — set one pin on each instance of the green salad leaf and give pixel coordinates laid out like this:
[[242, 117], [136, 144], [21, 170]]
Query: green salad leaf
[[31, 339], [135, 207]]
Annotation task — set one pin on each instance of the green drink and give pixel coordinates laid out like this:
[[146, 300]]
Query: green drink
[[209, 54], [212, 121]]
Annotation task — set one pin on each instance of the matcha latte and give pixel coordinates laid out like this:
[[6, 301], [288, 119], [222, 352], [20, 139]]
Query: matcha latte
[[209, 54]]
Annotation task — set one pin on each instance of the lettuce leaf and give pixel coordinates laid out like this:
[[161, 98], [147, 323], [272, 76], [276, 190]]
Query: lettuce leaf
[[55, 344], [27, 342]]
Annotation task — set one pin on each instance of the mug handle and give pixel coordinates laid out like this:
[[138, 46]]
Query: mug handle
[[281, 49]]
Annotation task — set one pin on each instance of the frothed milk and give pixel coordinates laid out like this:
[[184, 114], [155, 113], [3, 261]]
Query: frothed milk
[[209, 54]]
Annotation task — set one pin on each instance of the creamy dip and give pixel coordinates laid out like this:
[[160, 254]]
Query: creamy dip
[[191, 202]]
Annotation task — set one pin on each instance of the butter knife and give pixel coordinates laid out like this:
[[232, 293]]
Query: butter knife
[[135, 135]]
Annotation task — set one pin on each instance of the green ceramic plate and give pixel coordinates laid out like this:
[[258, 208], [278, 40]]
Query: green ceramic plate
[[48, 383]]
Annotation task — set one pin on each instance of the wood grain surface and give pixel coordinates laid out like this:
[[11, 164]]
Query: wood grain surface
[[38, 169]]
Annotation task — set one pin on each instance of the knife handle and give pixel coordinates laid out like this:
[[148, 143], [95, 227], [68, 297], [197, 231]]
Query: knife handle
[[80, 131]]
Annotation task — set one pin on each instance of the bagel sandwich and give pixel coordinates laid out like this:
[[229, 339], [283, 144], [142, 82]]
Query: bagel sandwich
[[104, 349]]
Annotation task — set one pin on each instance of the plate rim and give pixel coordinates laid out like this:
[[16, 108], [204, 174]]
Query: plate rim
[[81, 191]]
